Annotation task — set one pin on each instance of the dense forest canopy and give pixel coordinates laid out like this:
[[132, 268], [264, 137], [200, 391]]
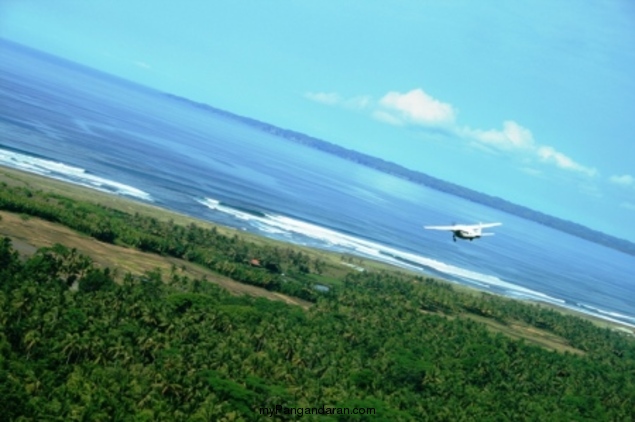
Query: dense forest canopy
[[79, 342]]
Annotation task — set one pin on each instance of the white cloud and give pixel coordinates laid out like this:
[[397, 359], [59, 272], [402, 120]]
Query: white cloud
[[417, 107], [550, 155], [334, 99], [328, 98], [623, 180], [513, 136], [382, 116]]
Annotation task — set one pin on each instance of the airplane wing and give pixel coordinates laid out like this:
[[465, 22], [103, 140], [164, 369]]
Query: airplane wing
[[484, 226], [450, 228], [463, 226]]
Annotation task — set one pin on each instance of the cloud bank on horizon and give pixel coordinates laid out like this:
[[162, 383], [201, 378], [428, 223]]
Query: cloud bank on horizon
[[416, 108]]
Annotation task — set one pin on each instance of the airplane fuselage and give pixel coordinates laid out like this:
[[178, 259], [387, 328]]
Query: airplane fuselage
[[466, 231], [466, 234]]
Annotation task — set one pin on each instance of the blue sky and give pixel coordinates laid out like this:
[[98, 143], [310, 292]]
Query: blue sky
[[532, 101]]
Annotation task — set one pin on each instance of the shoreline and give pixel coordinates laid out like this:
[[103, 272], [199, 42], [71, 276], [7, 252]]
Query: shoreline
[[13, 176]]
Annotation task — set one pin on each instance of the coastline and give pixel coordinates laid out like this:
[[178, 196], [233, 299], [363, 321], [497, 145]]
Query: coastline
[[13, 176]]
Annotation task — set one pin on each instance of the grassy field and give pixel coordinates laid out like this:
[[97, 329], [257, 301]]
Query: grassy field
[[28, 234]]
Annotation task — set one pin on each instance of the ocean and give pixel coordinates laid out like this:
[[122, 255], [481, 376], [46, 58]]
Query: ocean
[[75, 124]]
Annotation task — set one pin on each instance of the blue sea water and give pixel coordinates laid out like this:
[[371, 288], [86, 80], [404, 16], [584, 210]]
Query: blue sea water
[[78, 125]]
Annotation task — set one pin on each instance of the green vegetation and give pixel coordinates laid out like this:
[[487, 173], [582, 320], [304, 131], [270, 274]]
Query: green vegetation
[[79, 343], [274, 268]]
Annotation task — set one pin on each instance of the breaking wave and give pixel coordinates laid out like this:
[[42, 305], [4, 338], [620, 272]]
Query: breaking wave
[[67, 173], [301, 232], [612, 316]]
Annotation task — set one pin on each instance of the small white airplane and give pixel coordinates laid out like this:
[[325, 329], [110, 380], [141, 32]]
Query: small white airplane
[[466, 231]]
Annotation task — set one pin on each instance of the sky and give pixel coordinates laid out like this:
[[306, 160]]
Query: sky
[[530, 101]]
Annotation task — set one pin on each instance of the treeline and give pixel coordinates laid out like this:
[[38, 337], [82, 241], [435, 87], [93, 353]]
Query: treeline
[[282, 269], [75, 345]]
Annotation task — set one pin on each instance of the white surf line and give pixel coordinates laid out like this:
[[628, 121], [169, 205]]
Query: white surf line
[[278, 224], [70, 174]]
